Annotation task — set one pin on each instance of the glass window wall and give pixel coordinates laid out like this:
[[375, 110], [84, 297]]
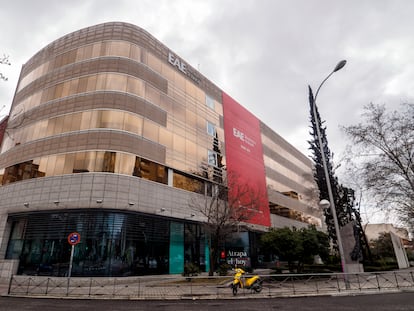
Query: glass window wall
[[98, 49], [294, 214], [101, 81], [79, 121], [188, 183], [185, 134], [84, 162]]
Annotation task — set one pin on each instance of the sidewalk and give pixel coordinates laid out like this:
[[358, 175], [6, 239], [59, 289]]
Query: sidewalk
[[4, 288], [165, 287]]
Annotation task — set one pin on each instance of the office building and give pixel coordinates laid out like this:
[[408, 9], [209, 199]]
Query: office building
[[111, 135]]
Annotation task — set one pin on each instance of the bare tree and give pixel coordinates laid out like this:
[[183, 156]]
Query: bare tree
[[230, 204], [383, 150], [4, 61]]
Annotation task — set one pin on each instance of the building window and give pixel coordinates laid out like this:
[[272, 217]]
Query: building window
[[210, 102], [212, 158], [211, 129], [84, 162], [188, 183]]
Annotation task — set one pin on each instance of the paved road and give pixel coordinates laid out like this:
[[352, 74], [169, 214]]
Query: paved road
[[374, 302]]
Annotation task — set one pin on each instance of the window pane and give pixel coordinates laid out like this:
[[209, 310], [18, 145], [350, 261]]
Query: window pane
[[42, 164], [60, 163], [99, 161], [191, 150], [112, 119], [109, 162], [91, 85], [119, 48], [152, 95], [133, 124], [82, 85], [134, 86], [90, 158], [190, 88], [187, 183], [80, 165], [191, 119], [212, 158], [135, 53], [150, 130], [50, 167], [179, 144], [210, 102], [168, 72], [58, 91], [87, 52], [116, 82], [154, 62], [124, 163], [69, 163], [73, 86], [211, 129], [86, 121], [96, 49], [66, 88], [165, 138], [76, 120], [67, 123], [42, 125], [101, 82], [179, 81]]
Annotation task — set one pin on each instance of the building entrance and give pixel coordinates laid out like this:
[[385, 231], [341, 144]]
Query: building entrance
[[112, 244]]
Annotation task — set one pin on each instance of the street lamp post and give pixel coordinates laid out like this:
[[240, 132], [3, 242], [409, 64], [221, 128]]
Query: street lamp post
[[331, 203]]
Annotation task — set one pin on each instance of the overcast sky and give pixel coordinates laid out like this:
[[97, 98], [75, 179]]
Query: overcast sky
[[263, 53]]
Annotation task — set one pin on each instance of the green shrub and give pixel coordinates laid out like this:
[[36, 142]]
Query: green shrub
[[223, 269], [190, 269]]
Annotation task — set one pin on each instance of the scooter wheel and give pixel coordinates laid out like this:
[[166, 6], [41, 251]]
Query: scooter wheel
[[234, 288], [258, 287]]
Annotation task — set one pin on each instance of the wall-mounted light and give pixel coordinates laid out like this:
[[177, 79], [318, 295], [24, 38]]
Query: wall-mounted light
[[56, 202], [131, 203], [192, 214], [26, 204], [99, 201], [162, 209]]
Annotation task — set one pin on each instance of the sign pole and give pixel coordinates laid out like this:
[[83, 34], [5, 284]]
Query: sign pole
[[73, 239], [71, 261]]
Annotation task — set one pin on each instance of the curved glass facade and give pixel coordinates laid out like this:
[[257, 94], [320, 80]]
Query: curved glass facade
[[86, 162]]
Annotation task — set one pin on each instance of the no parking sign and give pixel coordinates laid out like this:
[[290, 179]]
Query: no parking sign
[[74, 238]]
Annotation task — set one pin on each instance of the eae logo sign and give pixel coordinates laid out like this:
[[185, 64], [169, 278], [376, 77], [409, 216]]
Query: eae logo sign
[[246, 140], [181, 66], [176, 62], [244, 154]]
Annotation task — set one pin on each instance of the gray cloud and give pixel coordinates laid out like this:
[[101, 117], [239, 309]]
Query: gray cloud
[[263, 53]]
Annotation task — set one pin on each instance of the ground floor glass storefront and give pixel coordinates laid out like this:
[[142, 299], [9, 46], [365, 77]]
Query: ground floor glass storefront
[[113, 243]]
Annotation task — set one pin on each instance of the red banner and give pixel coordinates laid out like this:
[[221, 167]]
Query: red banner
[[244, 157]]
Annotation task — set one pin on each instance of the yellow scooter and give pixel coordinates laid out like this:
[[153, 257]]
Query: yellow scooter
[[239, 281]]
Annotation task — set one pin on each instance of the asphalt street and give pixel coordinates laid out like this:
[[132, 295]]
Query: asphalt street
[[373, 302]]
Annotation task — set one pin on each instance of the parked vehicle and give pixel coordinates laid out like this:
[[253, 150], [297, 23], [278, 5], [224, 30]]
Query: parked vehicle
[[240, 281]]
